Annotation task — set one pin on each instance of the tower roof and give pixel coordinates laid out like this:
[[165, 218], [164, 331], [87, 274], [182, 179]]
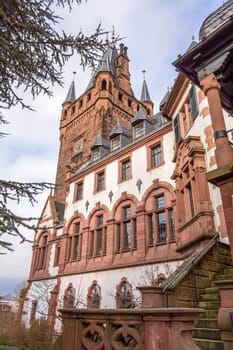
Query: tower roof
[[216, 19], [140, 115], [145, 96], [117, 130], [71, 96], [107, 63], [100, 142]]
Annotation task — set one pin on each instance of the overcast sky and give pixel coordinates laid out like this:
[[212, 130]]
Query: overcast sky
[[155, 31]]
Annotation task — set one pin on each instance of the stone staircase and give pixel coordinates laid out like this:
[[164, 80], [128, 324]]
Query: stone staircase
[[207, 335]]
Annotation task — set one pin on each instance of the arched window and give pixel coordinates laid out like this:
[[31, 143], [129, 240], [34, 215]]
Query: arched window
[[124, 294], [74, 244], [103, 85], [42, 251], [97, 236], [94, 296], [160, 225], [69, 297], [125, 227]]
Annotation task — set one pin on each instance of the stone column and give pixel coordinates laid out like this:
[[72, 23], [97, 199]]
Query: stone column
[[211, 88], [223, 175]]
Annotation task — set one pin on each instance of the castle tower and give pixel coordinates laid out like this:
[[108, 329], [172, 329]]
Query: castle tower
[[107, 99]]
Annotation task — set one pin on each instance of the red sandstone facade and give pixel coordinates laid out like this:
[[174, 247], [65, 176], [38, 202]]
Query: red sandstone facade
[[132, 200]]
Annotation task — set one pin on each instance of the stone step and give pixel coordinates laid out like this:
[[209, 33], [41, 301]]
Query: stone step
[[210, 297], [207, 322], [224, 276], [210, 314], [207, 333], [209, 344], [210, 290], [213, 305]]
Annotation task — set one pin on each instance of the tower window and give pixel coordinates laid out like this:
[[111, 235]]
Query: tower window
[[103, 85], [120, 96], [88, 97]]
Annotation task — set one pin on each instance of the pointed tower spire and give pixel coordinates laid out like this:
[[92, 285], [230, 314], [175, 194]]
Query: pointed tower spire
[[145, 96], [71, 96]]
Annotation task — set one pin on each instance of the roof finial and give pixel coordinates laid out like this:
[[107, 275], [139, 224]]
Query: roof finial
[[193, 37], [106, 40], [113, 34], [74, 73], [144, 72]]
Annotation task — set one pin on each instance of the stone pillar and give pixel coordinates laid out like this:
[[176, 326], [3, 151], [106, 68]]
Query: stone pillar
[[223, 175], [170, 329], [211, 88], [224, 321]]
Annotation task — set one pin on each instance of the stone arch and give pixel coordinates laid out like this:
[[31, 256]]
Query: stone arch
[[98, 209], [69, 296], [156, 186], [75, 217], [94, 296], [124, 294], [125, 198]]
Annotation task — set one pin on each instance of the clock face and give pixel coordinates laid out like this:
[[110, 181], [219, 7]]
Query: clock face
[[78, 146]]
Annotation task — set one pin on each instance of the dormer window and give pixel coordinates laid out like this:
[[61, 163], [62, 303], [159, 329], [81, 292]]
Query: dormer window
[[116, 143], [96, 154], [139, 130]]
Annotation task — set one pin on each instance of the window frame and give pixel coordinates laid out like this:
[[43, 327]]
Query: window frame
[[125, 174], [99, 181], [78, 194]]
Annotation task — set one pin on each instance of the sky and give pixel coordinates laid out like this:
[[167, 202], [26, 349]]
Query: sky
[[155, 32]]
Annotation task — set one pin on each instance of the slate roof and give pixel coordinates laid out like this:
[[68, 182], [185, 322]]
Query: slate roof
[[216, 19], [71, 96], [140, 115], [107, 63], [100, 142], [117, 130], [145, 96]]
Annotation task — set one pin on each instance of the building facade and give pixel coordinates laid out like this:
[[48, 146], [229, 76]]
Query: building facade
[[132, 201]]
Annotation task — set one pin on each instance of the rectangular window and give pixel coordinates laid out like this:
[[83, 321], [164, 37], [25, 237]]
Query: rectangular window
[[162, 232], [43, 253], [190, 194], [135, 233], [118, 237], [57, 255], [172, 223], [77, 158], [139, 130], [99, 232], [193, 102], [126, 170], [116, 142], [96, 154], [176, 125], [156, 155], [100, 182], [91, 244], [127, 227], [151, 229], [75, 247], [160, 202], [79, 191]]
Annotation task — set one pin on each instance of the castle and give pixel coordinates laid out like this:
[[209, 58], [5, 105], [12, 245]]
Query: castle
[[132, 201]]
